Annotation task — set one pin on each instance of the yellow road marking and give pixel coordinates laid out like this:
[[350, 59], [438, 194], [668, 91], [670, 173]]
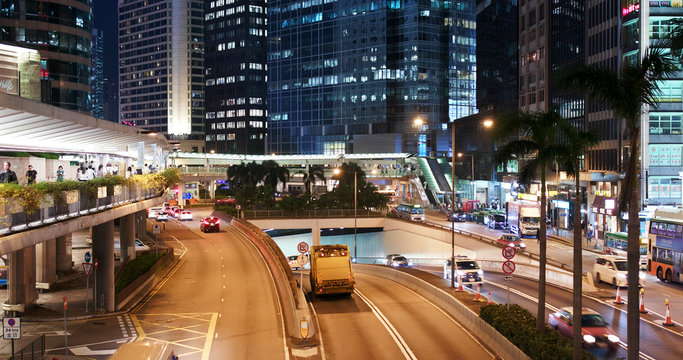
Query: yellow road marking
[[173, 328], [158, 287], [209, 337], [138, 328]]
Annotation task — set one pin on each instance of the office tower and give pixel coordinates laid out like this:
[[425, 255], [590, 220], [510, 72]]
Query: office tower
[[235, 72], [61, 31], [355, 76], [161, 66], [97, 74], [534, 36]]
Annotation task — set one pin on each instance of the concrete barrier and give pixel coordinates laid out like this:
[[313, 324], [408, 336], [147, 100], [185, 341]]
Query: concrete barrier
[[554, 276], [486, 334]]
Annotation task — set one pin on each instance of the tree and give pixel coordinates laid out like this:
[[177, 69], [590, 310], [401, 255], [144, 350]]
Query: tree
[[626, 93], [313, 173], [341, 197], [538, 147], [578, 142]]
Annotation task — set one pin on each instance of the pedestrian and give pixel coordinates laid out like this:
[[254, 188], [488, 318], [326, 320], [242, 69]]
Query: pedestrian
[[8, 176], [31, 175], [60, 174], [89, 173], [109, 169], [116, 169], [129, 172], [100, 171], [589, 234]]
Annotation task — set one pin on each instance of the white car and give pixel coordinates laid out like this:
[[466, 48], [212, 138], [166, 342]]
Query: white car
[[466, 269], [140, 247], [152, 212], [613, 269], [162, 216], [185, 215]]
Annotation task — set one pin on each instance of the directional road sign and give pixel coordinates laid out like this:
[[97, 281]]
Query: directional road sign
[[11, 328], [508, 267], [302, 247], [508, 277], [87, 256], [508, 252]]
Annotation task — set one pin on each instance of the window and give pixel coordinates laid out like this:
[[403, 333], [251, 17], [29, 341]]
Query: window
[[671, 91], [665, 155], [665, 123], [664, 187]]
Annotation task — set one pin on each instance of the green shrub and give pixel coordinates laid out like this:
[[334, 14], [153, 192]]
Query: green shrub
[[228, 209], [136, 268], [519, 326]]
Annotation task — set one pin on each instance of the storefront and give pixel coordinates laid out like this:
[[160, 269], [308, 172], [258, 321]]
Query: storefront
[[605, 215]]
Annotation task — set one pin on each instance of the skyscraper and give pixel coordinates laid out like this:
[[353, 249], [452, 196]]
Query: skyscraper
[[354, 76], [236, 72], [61, 30], [97, 74], [161, 66]]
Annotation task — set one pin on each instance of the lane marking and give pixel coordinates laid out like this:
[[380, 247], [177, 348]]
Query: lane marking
[[209, 338], [405, 349], [320, 333]]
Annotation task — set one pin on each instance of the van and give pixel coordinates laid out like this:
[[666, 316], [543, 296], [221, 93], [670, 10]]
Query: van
[[465, 269], [144, 350], [613, 270]]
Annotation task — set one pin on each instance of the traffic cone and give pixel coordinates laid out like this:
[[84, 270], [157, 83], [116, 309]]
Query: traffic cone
[[667, 321], [478, 298], [618, 300], [460, 283], [642, 302], [488, 301]]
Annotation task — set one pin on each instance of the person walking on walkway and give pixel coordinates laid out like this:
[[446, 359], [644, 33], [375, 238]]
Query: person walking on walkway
[[60, 174], [589, 234], [31, 175], [100, 171], [8, 176]]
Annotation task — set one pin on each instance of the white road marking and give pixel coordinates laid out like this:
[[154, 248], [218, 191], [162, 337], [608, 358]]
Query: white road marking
[[402, 345], [85, 351], [320, 334]]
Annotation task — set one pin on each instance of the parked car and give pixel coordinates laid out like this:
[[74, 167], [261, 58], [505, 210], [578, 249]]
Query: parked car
[[185, 215], [387, 259], [512, 240], [162, 216], [140, 248], [210, 224], [496, 221], [466, 269], [594, 329], [400, 261], [613, 269], [457, 216]]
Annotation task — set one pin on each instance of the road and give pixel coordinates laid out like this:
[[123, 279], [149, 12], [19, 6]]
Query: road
[[384, 320]]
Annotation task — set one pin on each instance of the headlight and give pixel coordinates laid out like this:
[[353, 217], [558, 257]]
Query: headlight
[[641, 276], [589, 338], [623, 276], [613, 338], [480, 272], [511, 244], [394, 263], [522, 245], [410, 263]]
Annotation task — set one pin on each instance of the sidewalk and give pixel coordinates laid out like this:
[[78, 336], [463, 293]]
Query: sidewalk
[[567, 237]]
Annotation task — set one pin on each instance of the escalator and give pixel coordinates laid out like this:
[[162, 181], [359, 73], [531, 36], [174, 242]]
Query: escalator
[[430, 195]]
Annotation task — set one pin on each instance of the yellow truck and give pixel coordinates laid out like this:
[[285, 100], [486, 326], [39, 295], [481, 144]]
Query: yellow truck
[[331, 270]]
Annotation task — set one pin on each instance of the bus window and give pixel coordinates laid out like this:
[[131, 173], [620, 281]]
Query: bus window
[[662, 229], [654, 229], [670, 230]]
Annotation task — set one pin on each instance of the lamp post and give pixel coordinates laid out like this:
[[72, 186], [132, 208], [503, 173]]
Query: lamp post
[[355, 208], [453, 205]]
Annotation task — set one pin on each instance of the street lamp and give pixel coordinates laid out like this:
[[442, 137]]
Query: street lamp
[[419, 123], [453, 205]]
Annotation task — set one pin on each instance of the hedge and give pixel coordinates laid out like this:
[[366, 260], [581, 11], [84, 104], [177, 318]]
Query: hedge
[[519, 326], [136, 268]]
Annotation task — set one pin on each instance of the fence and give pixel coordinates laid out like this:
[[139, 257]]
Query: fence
[[34, 350], [326, 213], [71, 204]]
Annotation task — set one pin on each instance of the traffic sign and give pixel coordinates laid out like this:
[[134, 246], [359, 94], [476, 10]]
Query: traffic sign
[[508, 267], [508, 277], [86, 268], [508, 252], [187, 195], [87, 256], [156, 229], [96, 263], [11, 328], [302, 247], [302, 260]]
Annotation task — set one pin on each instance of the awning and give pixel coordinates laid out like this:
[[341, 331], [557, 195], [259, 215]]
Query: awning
[[605, 205]]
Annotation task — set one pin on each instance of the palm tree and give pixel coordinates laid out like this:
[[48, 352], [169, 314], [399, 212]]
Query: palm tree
[[273, 174], [625, 93], [537, 145], [313, 173], [578, 142]]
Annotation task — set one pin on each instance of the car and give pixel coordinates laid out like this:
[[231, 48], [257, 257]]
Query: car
[[293, 264], [210, 224], [400, 261], [466, 269], [594, 329], [512, 240], [614, 270], [387, 259], [174, 211], [227, 201], [152, 212], [496, 221], [162, 216], [140, 247], [185, 215], [457, 216]]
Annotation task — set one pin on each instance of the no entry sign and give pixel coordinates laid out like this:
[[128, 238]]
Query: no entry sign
[[302, 247], [508, 252], [508, 267]]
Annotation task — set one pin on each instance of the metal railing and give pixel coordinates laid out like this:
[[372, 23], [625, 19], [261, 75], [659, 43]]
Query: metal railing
[[34, 351], [74, 203], [326, 213], [191, 170]]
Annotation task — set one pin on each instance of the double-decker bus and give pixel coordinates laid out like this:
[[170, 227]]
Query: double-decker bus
[[665, 246], [616, 244], [331, 270]]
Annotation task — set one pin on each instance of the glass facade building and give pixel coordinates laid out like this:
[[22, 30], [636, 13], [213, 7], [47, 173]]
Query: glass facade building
[[97, 73], [61, 30], [161, 66], [347, 75], [235, 76]]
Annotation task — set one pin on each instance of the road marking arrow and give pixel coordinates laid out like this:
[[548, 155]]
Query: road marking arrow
[[85, 351]]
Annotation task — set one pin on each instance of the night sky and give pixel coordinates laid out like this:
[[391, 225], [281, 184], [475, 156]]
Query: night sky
[[105, 19]]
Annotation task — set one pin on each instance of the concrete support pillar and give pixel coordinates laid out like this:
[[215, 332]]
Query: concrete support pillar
[[103, 252], [22, 276], [46, 266], [315, 231], [141, 224], [141, 155], [63, 254], [127, 237], [181, 191]]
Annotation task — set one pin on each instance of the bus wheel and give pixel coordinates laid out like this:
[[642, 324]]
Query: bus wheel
[[660, 274], [668, 276]]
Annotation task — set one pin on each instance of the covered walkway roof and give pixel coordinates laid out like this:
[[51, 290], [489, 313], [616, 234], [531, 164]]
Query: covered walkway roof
[[189, 158], [27, 125]]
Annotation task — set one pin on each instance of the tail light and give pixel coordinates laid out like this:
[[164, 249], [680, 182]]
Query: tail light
[[343, 253]]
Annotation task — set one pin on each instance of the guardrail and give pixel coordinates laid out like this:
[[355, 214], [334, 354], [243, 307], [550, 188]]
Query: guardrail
[[34, 350], [74, 203], [326, 213]]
